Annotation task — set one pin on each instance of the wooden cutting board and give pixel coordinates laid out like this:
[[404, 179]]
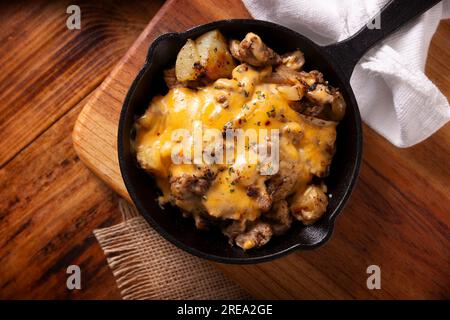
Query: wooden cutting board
[[397, 218]]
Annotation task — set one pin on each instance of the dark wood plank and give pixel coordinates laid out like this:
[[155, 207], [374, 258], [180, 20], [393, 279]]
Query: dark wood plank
[[397, 218], [49, 202], [47, 69], [49, 205]]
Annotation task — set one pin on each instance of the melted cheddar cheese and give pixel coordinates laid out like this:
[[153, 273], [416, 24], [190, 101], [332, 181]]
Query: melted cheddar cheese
[[251, 103]]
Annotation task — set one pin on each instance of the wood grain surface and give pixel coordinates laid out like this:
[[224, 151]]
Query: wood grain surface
[[50, 203], [397, 218]]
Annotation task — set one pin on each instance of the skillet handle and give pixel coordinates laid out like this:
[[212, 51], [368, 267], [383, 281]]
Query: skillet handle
[[391, 17]]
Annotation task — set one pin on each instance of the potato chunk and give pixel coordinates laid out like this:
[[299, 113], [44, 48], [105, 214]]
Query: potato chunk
[[310, 205], [214, 55], [208, 56], [187, 66]]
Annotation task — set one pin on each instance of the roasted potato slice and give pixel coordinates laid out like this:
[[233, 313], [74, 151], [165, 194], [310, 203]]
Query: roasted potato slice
[[215, 57], [187, 66]]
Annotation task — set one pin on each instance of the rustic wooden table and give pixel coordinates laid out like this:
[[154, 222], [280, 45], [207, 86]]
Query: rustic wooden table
[[50, 203]]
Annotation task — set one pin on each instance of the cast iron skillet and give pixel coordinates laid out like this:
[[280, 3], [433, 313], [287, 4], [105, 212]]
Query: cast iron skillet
[[336, 61]]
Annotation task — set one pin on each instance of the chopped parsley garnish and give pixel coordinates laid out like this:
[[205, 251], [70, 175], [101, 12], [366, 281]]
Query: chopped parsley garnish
[[260, 95], [271, 113]]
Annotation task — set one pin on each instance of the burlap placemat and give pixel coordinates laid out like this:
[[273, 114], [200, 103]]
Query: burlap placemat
[[146, 266]]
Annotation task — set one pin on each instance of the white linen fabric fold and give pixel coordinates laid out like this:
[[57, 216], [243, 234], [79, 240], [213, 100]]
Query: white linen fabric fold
[[394, 95]]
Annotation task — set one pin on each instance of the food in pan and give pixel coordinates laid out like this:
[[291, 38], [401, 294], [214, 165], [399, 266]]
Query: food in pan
[[224, 85]]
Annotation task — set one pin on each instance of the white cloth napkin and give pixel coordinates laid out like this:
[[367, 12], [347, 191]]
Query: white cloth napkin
[[394, 95]]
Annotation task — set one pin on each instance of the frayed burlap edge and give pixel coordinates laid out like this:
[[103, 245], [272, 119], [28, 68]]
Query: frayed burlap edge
[[146, 266]]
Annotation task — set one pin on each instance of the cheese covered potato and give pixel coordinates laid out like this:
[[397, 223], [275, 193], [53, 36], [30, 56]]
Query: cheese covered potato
[[241, 85]]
